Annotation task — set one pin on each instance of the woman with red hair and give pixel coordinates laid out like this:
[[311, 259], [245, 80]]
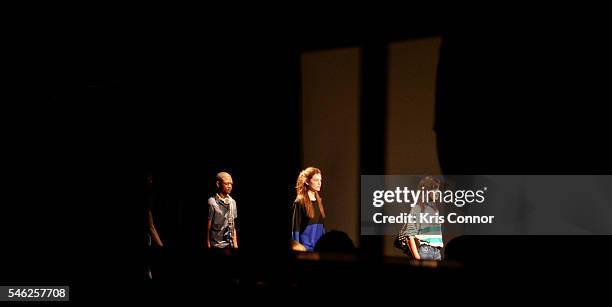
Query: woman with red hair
[[308, 213]]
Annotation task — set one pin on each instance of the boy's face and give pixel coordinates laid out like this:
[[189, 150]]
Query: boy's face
[[225, 184]]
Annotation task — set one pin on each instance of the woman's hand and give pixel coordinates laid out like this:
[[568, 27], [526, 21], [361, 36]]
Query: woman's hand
[[297, 246]]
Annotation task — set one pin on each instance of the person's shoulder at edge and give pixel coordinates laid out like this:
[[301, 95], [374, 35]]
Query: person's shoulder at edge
[[297, 202]]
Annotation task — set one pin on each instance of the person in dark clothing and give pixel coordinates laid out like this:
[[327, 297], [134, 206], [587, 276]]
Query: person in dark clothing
[[308, 213]]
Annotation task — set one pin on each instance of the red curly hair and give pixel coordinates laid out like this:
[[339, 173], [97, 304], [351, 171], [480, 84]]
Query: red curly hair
[[301, 190]]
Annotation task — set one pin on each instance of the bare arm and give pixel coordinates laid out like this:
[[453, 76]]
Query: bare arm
[[234, 232], [153, 230], [235, 238], [414, 249], [208, 232]]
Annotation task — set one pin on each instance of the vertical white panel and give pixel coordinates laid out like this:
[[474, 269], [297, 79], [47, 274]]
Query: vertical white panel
[[330, 132]]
